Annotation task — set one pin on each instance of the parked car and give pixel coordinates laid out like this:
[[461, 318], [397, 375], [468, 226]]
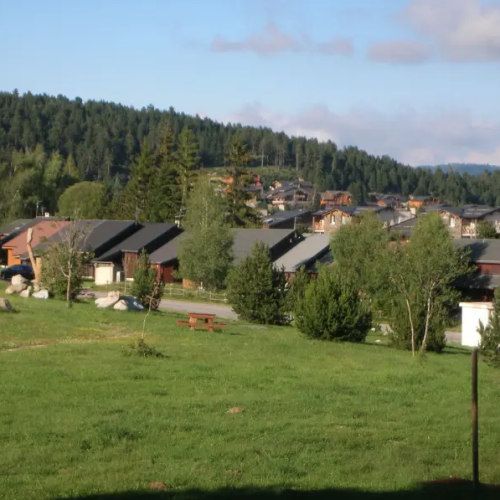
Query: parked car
[[23, 269]]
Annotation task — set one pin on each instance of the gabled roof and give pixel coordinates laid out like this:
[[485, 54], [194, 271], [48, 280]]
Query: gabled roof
[[405, 228], [98, 233], [11, 230], [481, 251], [332, 194], [471, 212], [283, 215], [244, 239], [41, 230], [134, 244], [14, 226], [304, 253], [352, 210]]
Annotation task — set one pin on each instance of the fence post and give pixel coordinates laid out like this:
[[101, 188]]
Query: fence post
[[475, 427]]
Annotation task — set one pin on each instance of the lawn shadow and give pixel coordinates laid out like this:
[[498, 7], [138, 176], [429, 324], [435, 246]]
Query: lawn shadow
[[451, 489]]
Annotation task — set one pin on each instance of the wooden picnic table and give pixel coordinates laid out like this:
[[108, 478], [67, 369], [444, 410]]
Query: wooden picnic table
[[200, 320]]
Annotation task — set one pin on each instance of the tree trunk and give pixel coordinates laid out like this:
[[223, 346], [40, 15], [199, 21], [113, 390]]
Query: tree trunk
[[32, 257], [427, 321], [68, 287], [412, 327]]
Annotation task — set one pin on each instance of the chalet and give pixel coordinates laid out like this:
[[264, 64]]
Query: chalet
[[121, 260], [166, 258], [98, 237], [485, 255], [332, 218], [336, 199], [389, 200], [288, 219], [11, 230], [256, 180], [290, 196], [305, 254], [417, 202], [462, 222], [17, 247]]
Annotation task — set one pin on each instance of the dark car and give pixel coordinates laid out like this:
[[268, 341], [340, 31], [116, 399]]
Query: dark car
[[24, 270]]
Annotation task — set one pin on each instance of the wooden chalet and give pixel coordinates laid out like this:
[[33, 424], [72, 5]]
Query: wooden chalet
[[336, 199]]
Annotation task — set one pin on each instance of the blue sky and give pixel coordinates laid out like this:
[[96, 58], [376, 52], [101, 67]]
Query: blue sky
[[416, 79]]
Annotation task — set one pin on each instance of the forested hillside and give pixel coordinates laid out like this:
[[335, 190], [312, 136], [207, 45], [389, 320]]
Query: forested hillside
[[89, 141]]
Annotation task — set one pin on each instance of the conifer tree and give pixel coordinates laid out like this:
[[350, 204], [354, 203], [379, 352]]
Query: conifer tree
[[257, 290], [490, 335], [188, 159]]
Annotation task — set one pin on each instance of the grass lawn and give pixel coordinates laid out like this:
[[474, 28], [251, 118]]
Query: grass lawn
[[77, 417]]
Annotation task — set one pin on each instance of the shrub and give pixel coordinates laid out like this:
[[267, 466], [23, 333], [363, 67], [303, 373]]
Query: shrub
[[145, 287], [400, 335], [144, 350], [332, 309], [298, 289], [490, 335], [257, 289]]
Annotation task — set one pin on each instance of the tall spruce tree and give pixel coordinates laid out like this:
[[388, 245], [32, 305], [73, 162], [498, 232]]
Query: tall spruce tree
[[187, 159], [490, 335], [165, 190]]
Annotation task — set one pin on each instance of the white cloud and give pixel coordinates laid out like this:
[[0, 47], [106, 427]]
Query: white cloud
[[274, 41], [453, 30], [410, 137]]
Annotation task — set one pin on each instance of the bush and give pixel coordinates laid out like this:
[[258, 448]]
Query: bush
[[298, 289], [400, 335], [490, 335], [332, 309], [144, 350], [145, 287], [257, 289], [56, 283]]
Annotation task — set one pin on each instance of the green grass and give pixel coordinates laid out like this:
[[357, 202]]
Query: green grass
[[77, 417]]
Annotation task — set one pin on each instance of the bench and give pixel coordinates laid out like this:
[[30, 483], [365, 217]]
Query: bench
[[204, 321]]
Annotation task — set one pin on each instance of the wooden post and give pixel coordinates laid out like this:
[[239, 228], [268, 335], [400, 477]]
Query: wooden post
[[475, 427], [32, 257]]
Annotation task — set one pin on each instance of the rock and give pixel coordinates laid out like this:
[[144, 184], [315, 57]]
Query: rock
[[42, 294], [26, 293], [5, 305], [156, 486], [36, 287], [121, 305], [15, 289], [109, 301], [18, 280]]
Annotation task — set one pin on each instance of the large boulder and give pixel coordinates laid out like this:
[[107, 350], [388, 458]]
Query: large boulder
[[12, 289], [121, 305], [26, 293], [5, 305], [42, 294], [109, 301], [18, 280]]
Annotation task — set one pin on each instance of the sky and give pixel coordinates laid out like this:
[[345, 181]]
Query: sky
[[418, 80]]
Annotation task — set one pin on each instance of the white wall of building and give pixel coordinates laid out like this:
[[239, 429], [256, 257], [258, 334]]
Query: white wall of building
[[104, 274], [472, 314]]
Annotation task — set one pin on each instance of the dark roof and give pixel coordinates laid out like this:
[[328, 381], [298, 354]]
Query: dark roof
[[18, 226], [352, 210], [14, 226], [329, 193], [405, 228], [284, 215], [481, 251], [326, 259], [304, 253], [99, 233], [149, 232], [244, 239]]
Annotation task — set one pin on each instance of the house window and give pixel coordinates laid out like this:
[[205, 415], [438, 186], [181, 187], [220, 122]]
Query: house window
[[344, 219], [332, 219], [452, 221]]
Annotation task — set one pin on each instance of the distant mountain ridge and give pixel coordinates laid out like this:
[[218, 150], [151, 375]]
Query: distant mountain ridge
[[464, 168]]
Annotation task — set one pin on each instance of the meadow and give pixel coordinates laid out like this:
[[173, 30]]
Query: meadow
[[327, 420]]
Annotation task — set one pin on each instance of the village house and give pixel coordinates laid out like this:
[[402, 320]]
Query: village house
[[17, 247], [336, 198], [288, 219], [166, 258], [305, 254], [462, 222], [291, 196], [98, 236], [331, 219], [417, 202], [119, 263], [389, 200]]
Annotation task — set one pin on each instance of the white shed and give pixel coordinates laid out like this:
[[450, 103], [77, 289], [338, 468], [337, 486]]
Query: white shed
[[472, 314], [105, 273]]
